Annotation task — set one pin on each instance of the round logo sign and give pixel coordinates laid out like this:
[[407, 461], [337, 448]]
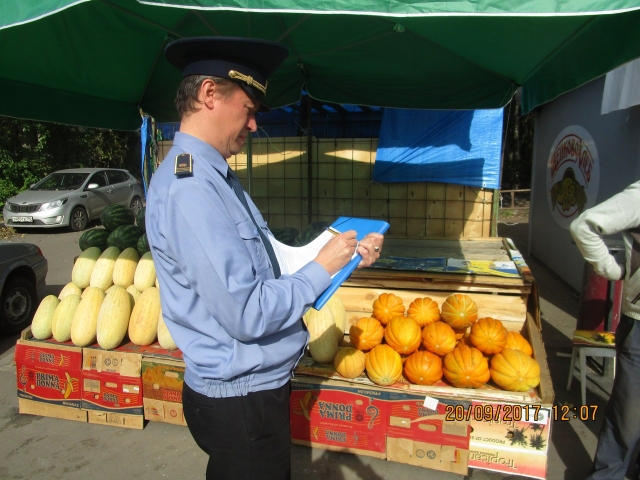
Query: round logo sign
[[573, 175]]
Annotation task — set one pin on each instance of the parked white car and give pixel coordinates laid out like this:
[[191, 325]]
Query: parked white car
[[72, 198]]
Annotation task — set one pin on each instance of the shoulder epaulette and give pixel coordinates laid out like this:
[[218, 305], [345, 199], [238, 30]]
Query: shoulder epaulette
[[184, 165]]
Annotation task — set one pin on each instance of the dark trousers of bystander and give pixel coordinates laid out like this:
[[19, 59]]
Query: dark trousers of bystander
[[621, 427], [246, 437]]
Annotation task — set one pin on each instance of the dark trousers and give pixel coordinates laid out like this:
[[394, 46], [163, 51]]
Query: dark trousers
[[245, 437], [621, 427]]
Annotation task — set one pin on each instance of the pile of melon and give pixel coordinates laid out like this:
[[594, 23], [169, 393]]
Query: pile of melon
[[426, 342], [112, 295]]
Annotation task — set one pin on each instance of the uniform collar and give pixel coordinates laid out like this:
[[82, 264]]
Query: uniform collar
[[202, 150]]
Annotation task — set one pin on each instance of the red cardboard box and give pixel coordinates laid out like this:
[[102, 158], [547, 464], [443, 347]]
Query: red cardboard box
[[112, 385], [337, 416], [162, 382], [48, 371], [111, 393], [422, 431]]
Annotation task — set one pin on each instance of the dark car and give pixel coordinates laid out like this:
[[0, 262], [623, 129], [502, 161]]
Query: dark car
[[23, 270], [72, 198]]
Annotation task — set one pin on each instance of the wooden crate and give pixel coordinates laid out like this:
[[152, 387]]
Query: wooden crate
[[514, 301]]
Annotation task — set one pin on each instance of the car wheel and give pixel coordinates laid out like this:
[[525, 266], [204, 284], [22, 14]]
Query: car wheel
[[136, 204], [79, 219], [18, 300]]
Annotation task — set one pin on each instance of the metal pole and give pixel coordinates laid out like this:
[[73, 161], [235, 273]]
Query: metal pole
[[309, 164], [249, 163]]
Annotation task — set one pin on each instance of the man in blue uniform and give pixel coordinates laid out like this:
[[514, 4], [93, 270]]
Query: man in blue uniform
[[235, 318]]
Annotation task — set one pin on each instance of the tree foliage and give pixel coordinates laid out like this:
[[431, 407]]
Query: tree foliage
[[518, 148], [30, 150]]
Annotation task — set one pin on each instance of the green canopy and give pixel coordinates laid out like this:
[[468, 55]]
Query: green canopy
[[99, 63]]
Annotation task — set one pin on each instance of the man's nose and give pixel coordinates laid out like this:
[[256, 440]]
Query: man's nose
[[252, 125]]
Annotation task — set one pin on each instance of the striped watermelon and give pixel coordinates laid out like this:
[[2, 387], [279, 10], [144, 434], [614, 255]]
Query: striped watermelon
[[124, 236], [95, 237], [114, 216], [143, 244], [140, 219], [286, 235], [310, 232]]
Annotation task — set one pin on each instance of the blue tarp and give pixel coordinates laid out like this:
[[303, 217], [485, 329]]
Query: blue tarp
[[450, 146]]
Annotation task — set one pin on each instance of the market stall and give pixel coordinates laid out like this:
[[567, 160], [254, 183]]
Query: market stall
[[117, 71]]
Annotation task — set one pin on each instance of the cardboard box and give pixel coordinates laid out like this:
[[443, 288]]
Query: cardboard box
[[116, 419], [520, 427], [421, 431], [111, 384], [512, 461], [31, 407], [338, 416], [512, 439], [162, 382], [111, 393], [167, 412], [120, 361], [48, 371]]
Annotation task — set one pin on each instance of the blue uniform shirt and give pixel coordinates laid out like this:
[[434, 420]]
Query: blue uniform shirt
[[239, 328]]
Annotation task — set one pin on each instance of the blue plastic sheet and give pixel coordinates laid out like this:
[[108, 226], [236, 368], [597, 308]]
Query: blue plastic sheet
[[449, 146]]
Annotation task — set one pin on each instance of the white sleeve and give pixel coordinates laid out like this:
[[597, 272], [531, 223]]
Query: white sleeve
[[620, 212]]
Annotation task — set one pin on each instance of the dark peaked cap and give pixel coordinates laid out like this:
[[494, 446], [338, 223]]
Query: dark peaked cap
[[247, 61]]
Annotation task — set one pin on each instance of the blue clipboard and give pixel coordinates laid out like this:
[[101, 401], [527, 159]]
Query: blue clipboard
[[362, 226]]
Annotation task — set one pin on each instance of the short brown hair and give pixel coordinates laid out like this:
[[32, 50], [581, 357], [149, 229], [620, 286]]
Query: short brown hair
[[187, 97]]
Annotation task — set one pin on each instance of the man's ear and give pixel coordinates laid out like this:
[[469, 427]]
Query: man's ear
[[207, 93]]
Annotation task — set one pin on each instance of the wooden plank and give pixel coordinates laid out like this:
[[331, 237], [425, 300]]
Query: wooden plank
[[436, 191], [436, 209], [535, 338], [437, 281], [489, 249], [435, 227], [453, 228], [473, 228], [454, 210], [510, 308]]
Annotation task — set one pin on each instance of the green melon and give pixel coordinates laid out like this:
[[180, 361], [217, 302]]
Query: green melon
[[305, 237], [140, 219], [320, 226], [143, 244], [286, 235], [95, 237], [114, 216], [310, 233], [124, 236]]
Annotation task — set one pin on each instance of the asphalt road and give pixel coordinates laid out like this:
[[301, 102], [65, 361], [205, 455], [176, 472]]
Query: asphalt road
[[35, 447]]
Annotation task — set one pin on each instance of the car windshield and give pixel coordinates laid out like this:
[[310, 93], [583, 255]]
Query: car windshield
[[61, 181]]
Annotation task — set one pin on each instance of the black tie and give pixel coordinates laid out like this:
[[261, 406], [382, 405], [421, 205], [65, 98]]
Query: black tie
[[237, 188]]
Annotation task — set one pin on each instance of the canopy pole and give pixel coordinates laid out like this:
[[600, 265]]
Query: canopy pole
[[309, 163], [249, 163]]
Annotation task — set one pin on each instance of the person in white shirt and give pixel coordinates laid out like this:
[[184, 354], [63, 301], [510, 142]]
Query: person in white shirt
[[620, 430]]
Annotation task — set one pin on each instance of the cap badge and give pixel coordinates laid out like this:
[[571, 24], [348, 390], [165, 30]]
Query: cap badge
[[249, 80]]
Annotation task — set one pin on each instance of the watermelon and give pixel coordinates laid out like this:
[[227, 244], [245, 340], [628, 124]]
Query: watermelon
[[95, 237], [124, 236], [114, 216], [310, 232], [143, 244], [286, 235], [140, 219], [320, 226]]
